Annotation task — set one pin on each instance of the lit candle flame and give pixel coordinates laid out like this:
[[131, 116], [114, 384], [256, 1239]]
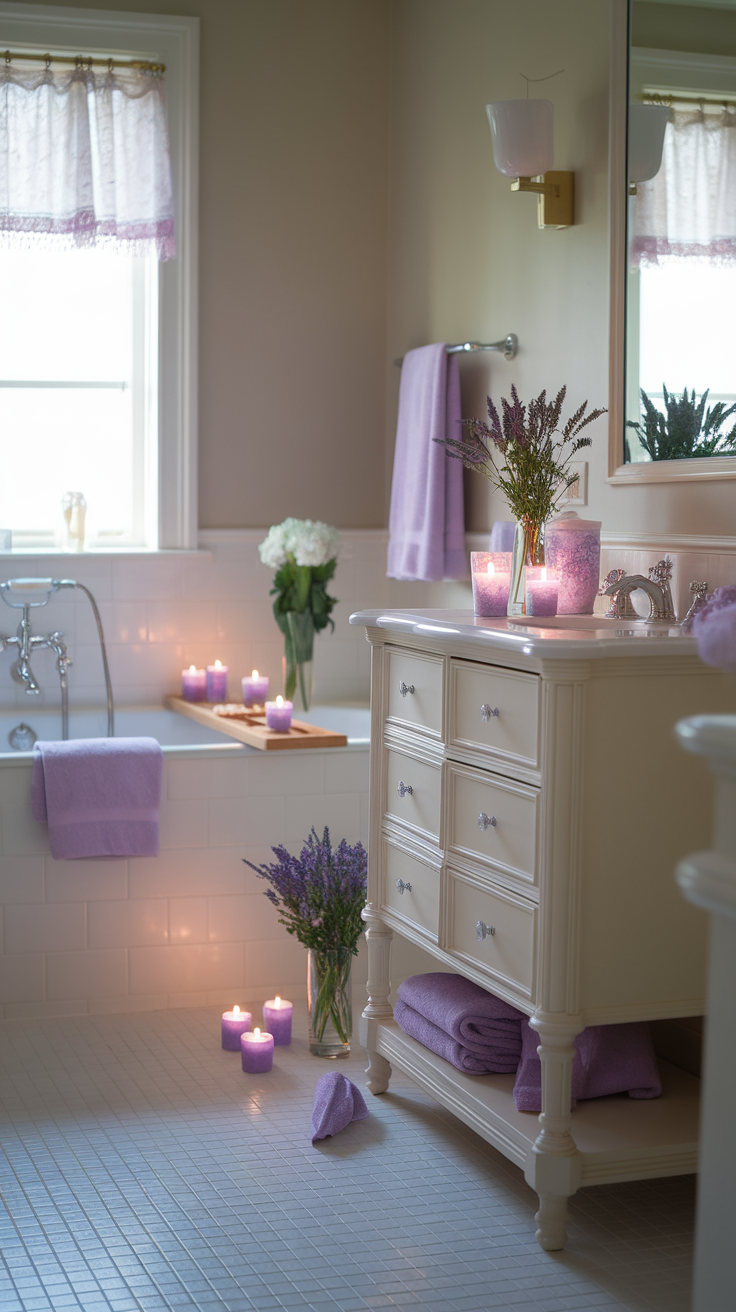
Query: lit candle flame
[[279, 700], [277, 1001], [544, 573], [254, 675], [192, 669], [257, 1033], [218, 665], [236, 1010], [491, 569]]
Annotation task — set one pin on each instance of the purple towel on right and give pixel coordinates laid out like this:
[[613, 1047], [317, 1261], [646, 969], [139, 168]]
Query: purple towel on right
[[475, 1031], [609, 1059]]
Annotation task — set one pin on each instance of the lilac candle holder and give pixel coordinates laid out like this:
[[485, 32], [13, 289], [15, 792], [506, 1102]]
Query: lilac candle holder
[[194, 684], [278, 715], [277, 1015], [255, 689], [234, 1024], [256, 1052], [491, 575], [573, 547], [217, 682], [542, 587]]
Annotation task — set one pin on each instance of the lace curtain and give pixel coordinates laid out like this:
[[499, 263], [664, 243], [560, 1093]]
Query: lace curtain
[[689, 208], [84, 159]]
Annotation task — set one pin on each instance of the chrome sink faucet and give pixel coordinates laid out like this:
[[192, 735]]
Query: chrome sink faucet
[[657, 587]]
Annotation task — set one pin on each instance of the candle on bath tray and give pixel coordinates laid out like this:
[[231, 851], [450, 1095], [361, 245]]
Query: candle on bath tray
[[234, 1024], [217, 682], [193, 684], [256, 1052], [277, 1014], [542, 588], [255, 689], [491, 575], [278, 715]]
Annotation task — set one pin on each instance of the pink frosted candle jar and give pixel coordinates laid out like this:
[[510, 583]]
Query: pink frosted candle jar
[[491, 575], [194, 684], [217, 682], [256, 1052], [278, 715], [542, 587], [234, 1025], [573, 547], [255, 689], [277, 1014]]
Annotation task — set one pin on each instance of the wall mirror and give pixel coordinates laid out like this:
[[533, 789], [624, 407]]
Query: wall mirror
[[674, 241]]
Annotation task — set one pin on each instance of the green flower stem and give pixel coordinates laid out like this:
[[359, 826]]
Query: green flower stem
[[333, 973]]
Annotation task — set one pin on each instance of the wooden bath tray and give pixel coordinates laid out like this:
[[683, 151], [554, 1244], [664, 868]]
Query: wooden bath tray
[[249, 726]]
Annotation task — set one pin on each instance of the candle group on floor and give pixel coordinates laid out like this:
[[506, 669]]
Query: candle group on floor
[[256, 1046]]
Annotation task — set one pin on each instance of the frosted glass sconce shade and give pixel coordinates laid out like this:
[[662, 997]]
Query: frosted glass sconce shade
[[521, 133], [647, 124]]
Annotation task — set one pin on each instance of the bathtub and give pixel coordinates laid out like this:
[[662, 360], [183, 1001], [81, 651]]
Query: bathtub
[[189, 927], [177, 735]]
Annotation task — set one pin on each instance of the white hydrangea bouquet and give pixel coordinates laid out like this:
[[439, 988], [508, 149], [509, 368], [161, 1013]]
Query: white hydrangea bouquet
[[304, 554]]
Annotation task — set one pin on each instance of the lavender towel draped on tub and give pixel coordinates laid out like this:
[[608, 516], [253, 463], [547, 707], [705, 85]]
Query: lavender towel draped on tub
[[427, 522], [99, 796], [609, 1059], [457, 1019]]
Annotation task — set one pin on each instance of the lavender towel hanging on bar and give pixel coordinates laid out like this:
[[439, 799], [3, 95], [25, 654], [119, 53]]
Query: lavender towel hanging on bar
[[99, 796], [475, 1031], [608, 1059], [427, 522]]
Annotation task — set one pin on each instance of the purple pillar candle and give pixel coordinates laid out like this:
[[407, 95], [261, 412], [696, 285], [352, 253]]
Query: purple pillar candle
[[278, 715], [193, 684], [234, 1023], [542, 587], [491, 574], [217, 682], [255, 689], [573, 547], [277, 1014], [256, 1052]]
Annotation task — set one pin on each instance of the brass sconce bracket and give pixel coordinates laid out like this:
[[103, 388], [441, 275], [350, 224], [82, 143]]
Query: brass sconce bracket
[[556, 197]]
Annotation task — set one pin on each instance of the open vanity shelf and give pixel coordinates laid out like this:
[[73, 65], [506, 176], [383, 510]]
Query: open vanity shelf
[[528, 807]]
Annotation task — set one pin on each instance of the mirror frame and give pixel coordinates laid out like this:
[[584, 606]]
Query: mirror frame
[[651, 471]]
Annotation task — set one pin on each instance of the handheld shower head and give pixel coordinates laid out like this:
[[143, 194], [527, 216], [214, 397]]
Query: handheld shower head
[[31, 592]]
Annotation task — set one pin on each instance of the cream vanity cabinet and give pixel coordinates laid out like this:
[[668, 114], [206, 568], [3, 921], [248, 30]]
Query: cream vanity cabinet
[[528, 805]]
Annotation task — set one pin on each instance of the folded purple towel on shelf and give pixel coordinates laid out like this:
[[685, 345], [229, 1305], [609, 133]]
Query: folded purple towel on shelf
[[99, 796], [609, 1059], [457, 1019]]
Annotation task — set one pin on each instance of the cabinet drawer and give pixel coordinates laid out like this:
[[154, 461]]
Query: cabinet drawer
[[492, 820], [495, 710], [415, 690], [411, 889], [493, 929], [413, 794]]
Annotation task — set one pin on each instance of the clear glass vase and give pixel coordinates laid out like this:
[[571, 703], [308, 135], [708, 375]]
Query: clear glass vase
[[298, 654], [330, 1002], [528, 550]]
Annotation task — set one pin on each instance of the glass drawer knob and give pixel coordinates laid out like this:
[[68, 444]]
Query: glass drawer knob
[[402, 887], [404, 688], [482, 930], [403, 789], [486, 821], [487, 711]]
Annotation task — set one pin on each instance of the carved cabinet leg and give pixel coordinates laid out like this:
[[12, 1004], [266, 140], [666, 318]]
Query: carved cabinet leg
[[378, 937], [555, 1167]]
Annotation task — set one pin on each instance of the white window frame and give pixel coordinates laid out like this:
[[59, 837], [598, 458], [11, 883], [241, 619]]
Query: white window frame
[[174, 42]]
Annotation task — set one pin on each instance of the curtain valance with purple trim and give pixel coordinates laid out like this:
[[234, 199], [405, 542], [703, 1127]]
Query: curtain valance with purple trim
[[689, 208], [84, 160]]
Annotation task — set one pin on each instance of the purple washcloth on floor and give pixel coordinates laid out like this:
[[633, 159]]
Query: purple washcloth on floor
[[609, 1059], [499, 1059], [427, 518], [337, 1102], [99, 796], [471, 1015]]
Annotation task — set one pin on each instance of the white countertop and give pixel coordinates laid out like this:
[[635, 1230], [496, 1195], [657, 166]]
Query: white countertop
[[532, 639]]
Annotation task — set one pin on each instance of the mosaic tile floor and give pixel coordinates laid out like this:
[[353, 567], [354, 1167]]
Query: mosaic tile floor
[[142, 1170]]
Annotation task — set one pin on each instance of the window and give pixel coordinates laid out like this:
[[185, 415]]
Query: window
[[98, 350]]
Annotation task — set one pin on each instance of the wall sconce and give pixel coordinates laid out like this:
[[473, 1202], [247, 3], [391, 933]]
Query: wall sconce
[[521, 133], [647, 125]]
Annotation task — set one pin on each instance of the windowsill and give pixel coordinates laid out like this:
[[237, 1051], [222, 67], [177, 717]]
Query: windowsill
[[106, 553]]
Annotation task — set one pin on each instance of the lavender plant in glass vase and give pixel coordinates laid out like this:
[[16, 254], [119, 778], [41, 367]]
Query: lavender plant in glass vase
[[525, 455], [320, 895]]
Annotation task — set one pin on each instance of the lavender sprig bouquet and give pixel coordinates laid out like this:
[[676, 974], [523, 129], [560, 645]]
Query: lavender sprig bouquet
[[320, 895], [524, 453]]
